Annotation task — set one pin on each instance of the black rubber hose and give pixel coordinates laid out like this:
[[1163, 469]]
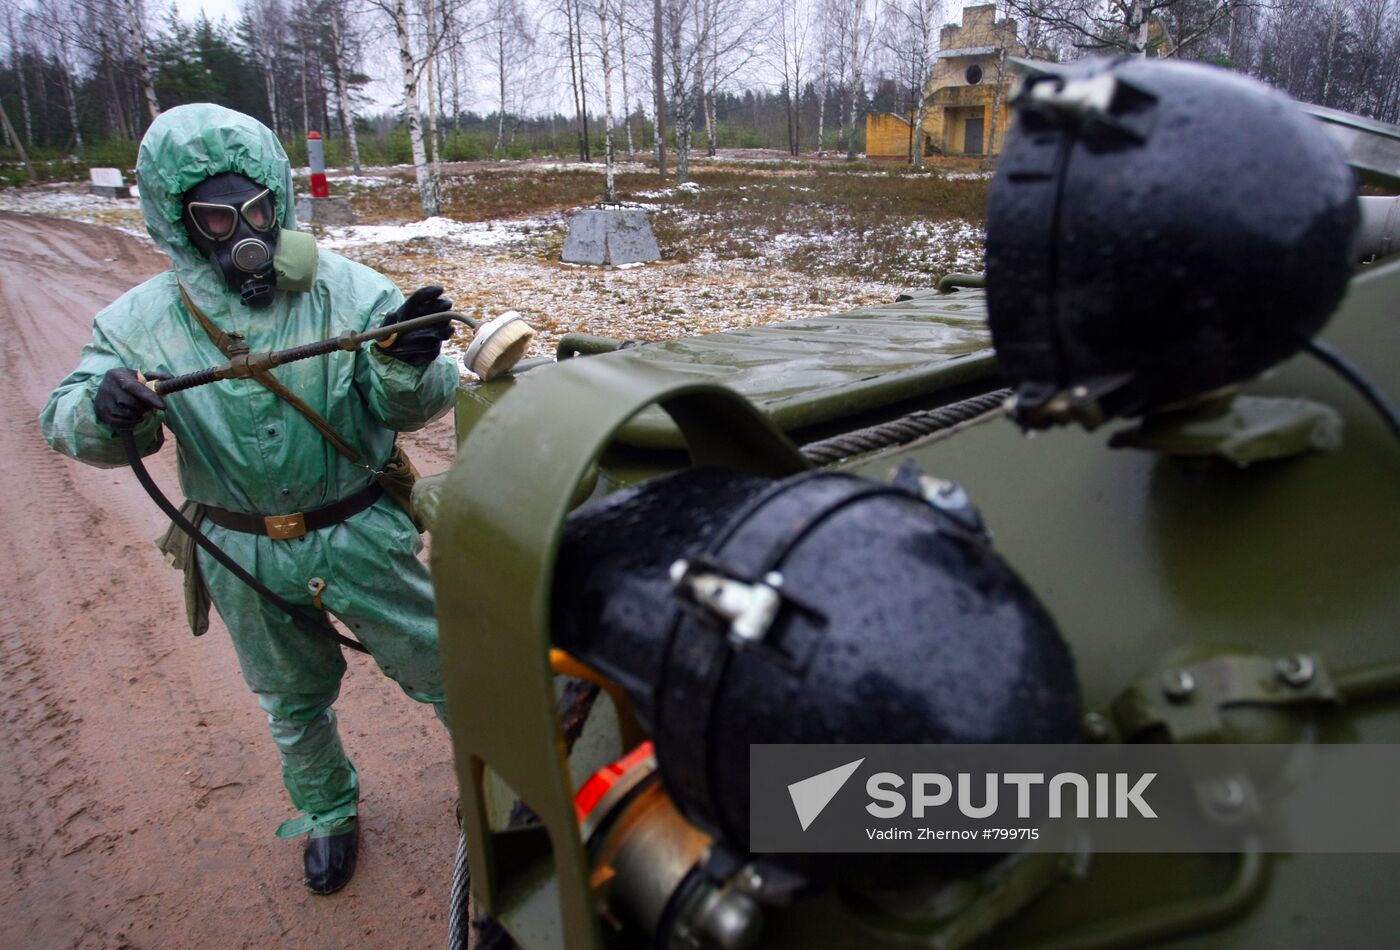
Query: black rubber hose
[[187, 381], [317, 348], [1359, 381], [310, 623], [307, 350]]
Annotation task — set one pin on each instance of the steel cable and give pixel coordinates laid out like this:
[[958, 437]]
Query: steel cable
[[902, 430]]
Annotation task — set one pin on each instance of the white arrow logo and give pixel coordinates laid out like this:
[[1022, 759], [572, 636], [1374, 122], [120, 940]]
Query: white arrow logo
[[811, 795]]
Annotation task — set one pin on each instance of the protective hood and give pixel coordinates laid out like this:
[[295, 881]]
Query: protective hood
[[186, 145]]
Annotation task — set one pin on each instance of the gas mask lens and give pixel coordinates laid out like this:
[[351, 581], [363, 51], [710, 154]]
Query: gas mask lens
[[218, 221]]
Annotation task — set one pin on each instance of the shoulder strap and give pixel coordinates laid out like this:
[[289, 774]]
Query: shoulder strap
[[233, 344]]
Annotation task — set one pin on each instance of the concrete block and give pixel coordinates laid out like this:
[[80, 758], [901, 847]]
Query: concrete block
[[328, 212], [106, 182], [610, 236]]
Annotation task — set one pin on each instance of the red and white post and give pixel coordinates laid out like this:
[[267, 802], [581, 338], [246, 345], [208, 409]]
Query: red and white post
[[316, 154]]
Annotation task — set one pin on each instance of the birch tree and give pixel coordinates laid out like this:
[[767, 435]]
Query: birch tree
[[136, 34], [409, 73], [658, 80], [431, 41], [622, 64], [605, 52], [344, 56], [687, 36]]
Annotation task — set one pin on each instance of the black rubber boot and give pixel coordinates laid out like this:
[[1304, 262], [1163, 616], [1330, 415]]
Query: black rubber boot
[[330, 861]]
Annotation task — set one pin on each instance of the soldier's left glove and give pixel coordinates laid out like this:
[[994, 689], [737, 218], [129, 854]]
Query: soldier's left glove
[[122, 399], [419, 347]]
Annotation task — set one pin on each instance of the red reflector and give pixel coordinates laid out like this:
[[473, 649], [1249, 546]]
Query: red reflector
[[586, 798]]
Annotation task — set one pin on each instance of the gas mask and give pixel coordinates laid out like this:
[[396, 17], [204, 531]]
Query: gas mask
[[232, 220]]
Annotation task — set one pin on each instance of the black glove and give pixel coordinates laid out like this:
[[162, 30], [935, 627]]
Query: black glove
[[122, 400], [420, 347]]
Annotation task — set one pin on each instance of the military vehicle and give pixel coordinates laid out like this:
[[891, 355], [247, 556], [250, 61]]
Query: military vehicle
[[853, 529]]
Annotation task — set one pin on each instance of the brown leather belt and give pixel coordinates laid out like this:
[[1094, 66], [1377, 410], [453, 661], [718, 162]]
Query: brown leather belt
[[298, 523]]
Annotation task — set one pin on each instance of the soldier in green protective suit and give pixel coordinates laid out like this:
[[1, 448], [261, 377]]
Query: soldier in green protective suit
[[216, 192]]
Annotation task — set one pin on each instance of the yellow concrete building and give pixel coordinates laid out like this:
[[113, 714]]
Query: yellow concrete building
[[889, 137], [960, 94]]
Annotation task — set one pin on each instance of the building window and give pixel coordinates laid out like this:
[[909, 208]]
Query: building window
[[973, 74]]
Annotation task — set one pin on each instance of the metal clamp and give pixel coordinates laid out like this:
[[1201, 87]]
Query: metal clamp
[[746, 608], [1187, 701]]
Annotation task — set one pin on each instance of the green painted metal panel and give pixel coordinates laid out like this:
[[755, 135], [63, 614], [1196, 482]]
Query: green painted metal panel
[[806, 372], [1139, 556]]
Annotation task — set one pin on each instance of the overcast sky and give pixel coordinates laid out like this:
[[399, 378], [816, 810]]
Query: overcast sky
[[216, 9]]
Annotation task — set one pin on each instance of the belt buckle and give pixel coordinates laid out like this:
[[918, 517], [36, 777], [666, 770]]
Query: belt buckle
[[284, 527]]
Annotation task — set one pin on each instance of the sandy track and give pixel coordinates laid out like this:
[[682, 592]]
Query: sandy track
[[138, 786]]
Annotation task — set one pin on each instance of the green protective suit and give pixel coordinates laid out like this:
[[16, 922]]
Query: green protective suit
[[242, 448]]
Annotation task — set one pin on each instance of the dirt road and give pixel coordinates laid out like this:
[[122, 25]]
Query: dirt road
[[138, 786]]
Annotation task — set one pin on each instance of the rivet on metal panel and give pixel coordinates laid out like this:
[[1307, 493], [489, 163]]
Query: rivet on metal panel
[[1297, 670], [1178, 685]]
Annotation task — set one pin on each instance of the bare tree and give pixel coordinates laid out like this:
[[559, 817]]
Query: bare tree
[[605, 52], [17, 63], [913, 40], [687, 36], [572, 12], [1127, 26], [832, 33], [793, 28], [136, 33], [267, 24], [622, 63], [19, 146], [658, 80], [409, 72], [508, 40], [730, 51], [860, 32], [344, 50]]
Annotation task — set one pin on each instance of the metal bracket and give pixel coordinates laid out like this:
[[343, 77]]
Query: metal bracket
[[1104, 108], [1089, 403], [746, 608], [1187, 701]]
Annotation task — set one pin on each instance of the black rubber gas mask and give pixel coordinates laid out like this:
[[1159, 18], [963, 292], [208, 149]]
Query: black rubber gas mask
[[232, 220]]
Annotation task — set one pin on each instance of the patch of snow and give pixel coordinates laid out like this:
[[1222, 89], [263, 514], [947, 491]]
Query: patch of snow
[[483, 234], [367, 181]]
